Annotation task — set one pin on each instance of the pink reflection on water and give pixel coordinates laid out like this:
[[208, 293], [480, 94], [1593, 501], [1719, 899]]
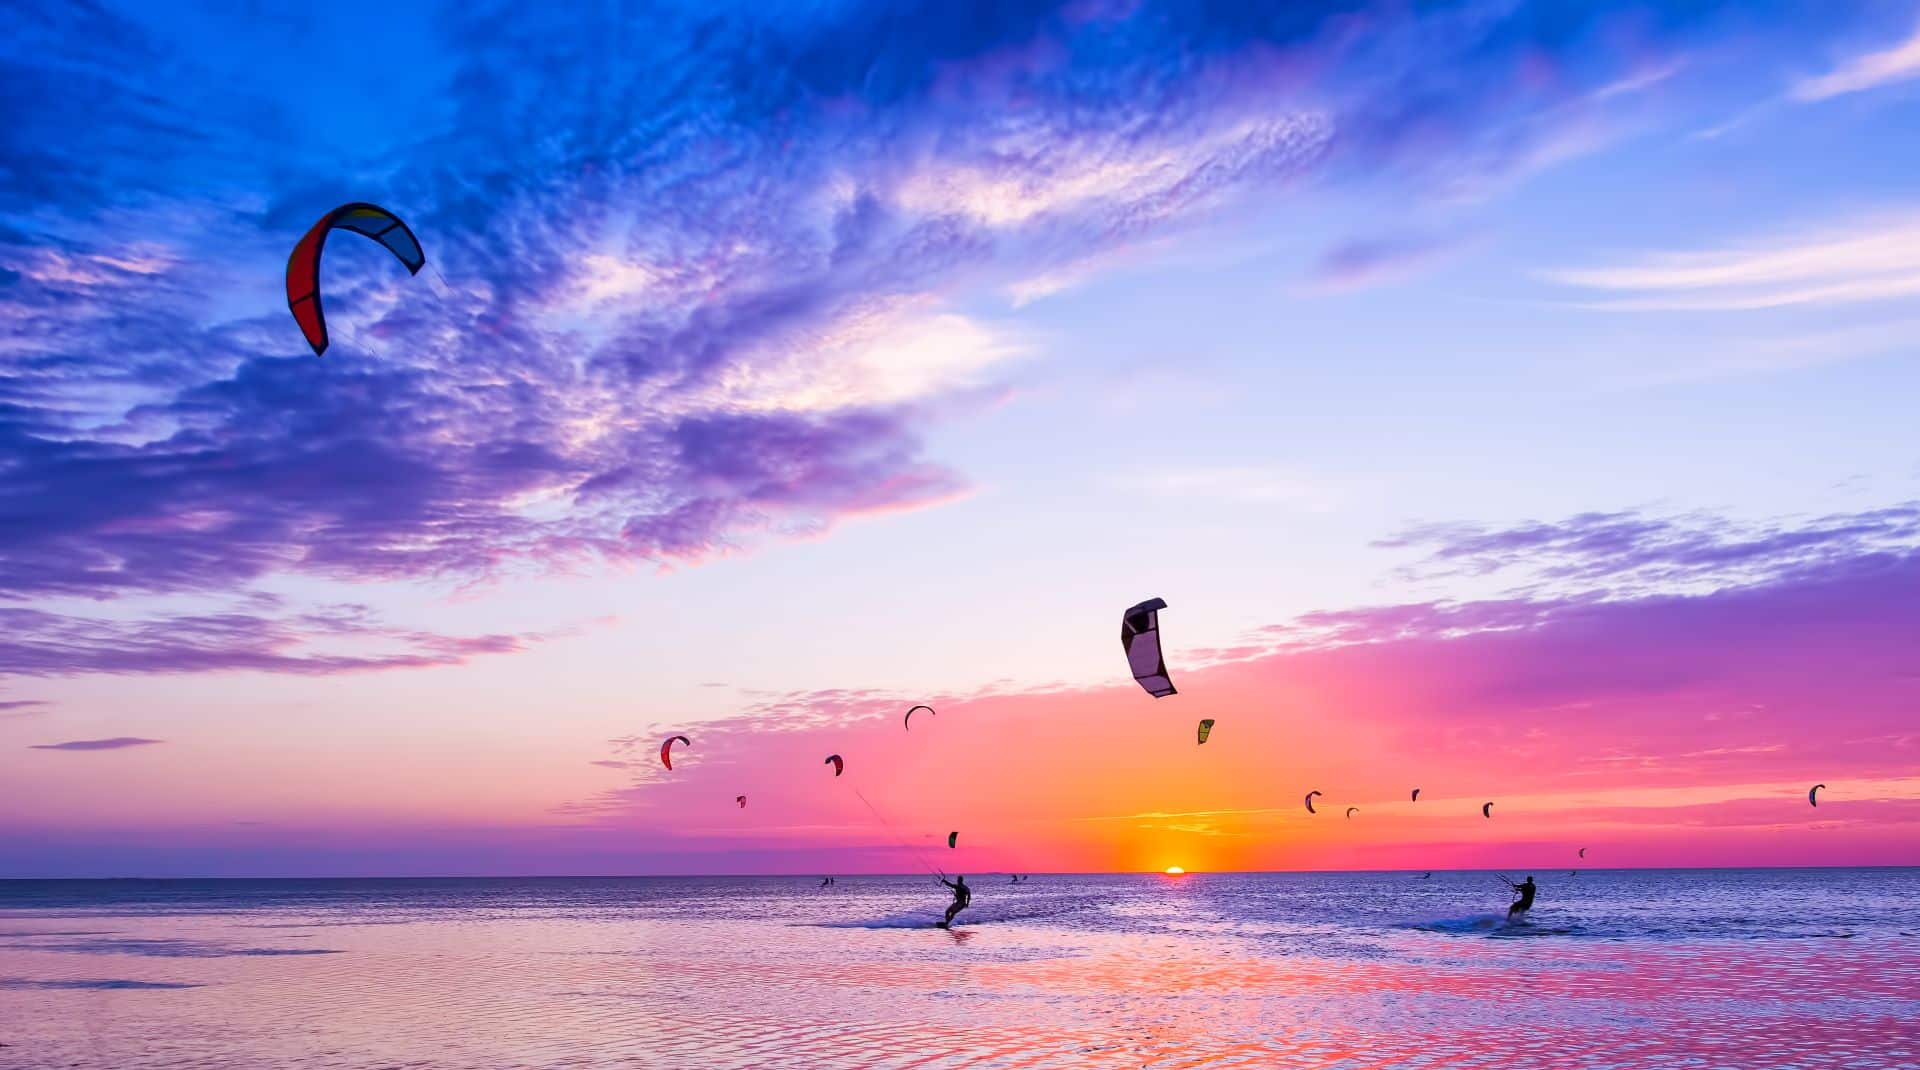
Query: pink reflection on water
[[525, 989]]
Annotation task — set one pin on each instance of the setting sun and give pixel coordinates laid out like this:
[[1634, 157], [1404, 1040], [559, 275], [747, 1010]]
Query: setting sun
[[1174, 871]]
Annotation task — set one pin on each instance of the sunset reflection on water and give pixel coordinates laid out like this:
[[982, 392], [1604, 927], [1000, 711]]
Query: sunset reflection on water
[[1065, 972]]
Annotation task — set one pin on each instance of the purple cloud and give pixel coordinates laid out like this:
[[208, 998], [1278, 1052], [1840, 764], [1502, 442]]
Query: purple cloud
[[1366, 262], [672, 261], [116, 743], [1635, 551], [39, 643]]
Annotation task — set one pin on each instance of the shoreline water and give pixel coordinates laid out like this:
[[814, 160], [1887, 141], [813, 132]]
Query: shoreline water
[[1620, 970]]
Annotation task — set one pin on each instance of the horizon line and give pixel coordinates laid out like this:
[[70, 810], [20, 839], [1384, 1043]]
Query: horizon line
[[985, 872]]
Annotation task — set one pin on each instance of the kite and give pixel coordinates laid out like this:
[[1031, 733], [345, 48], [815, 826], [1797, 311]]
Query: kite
[[952, 839], [1310, 796], [1583, 852], [1811, 801], [303, 264], [666, 750], [1352, 810], [1206, 729], [1416, 795], [1140, 638], [909, 720], [1487, 810], [838, 765], [742, 800]]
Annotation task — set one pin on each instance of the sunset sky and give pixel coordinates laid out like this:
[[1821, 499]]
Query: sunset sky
[[1514, 401]]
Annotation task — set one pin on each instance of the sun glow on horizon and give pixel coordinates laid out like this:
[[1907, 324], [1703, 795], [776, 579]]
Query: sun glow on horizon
[[1175, 871]]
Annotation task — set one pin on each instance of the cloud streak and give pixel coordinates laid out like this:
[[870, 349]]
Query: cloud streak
[[40, 643], [116, 743], [1364, 262], [1855, 261], [1893, 65], [1628, 552]]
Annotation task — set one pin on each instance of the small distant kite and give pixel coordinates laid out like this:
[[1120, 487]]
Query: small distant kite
[[742, 800], [909, 721], [953, 839], [1140, 638], [1352, 810], [1811, 801], [1310, 796], [1486, 810], [666, 750], [1206, 729], [1583, 852], [1416, 795], [303, 265], [838, 765]]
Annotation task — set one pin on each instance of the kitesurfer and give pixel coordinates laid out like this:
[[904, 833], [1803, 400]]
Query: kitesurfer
[[962, 898], [1524, 890]]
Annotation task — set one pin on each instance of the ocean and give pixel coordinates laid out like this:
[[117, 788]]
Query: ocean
[[1816, 968]]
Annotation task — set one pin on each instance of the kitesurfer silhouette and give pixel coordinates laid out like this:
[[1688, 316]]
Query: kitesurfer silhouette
[[962, 898], [1525, 891]]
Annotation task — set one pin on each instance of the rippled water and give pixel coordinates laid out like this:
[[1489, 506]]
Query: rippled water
[[1759, 968]]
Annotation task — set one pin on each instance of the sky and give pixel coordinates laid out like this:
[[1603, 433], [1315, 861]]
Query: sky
[[1512, 401]]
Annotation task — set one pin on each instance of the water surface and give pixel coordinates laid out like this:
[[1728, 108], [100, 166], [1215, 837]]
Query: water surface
[[1628, 969]]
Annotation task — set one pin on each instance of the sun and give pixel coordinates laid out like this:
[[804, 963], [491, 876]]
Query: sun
[[1174, 871]]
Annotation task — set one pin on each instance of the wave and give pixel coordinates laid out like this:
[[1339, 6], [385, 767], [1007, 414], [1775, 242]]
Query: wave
[[997, 913], [1494, 925]]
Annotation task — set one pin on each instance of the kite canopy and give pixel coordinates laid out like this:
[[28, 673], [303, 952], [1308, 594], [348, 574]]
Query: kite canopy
[[1416, 795], [303, 265], [838, 765], [909, 721], [1310, 796], [1486, 810], [742, 800], [1206, 729], [1140, 638], [666, 750], [1583, 852], [1811, 801], [1352, 810], [953, 839]]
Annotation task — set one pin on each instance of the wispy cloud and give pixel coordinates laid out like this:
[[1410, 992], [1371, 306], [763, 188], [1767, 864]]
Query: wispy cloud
[[36, 642], [1897, 63], [1363, 262], [1862, 259], [116, 743], [1637, 552], [25, 707], [1234, 483]]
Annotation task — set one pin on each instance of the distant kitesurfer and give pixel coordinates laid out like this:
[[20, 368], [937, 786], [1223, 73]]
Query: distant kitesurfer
[[1525, 890], [962, 898]]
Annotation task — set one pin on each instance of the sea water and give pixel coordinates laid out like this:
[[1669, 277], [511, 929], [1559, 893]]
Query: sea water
[[1815, 968]]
